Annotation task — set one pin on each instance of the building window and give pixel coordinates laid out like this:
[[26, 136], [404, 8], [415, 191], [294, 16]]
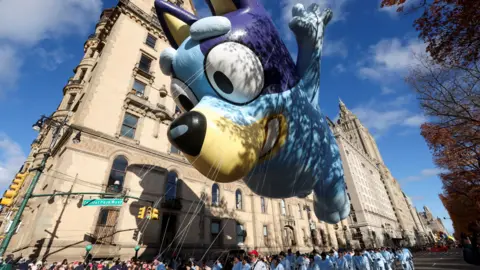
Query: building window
[[103, 217], [145, 63], [262, 205], [70, 101], [215, 194], [240, 233], [265, 234], [151, 41], [283, 210], [300, 211], [83, 71], [171, 187], [139, 87], [129, 125], [106, 222], [118, 172], [238, 199], [215, 230]]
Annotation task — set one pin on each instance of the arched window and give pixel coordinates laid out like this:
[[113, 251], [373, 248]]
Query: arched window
[[240, 233], [171, 186], [300, 211], [282, 207], [263, 205], [118, 172], [238, 199], [215, 194]]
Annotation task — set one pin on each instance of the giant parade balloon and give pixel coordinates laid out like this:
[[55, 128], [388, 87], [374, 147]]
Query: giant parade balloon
[[250, 112]]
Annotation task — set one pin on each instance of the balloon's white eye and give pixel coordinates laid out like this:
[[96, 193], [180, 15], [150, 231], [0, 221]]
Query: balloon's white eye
[[183, 96], [235, 72]]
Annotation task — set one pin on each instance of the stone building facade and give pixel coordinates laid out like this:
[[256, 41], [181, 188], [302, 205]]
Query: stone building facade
[[379, 210], [119, 101], [434, 224]]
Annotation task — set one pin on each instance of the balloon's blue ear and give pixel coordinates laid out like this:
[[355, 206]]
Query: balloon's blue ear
[[222, 7], [175, 21]]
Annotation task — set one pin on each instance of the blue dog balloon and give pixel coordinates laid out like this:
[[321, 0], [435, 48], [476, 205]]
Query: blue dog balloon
[[250, 112]]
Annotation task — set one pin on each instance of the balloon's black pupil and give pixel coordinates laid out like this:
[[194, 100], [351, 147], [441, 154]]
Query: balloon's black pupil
[[223, 82], [185, 102]]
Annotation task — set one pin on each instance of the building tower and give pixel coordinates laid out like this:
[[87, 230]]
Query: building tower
[[120, 102], [379, 209]]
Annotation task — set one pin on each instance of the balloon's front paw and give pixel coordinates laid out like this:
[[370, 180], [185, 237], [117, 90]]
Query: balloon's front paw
[[309, 22]]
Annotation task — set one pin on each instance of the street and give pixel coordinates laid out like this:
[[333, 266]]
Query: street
[[452, 259]]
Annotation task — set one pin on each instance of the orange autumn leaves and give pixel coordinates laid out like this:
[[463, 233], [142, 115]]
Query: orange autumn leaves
[[450, 28]]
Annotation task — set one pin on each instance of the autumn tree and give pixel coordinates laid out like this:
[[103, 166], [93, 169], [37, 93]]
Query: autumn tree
[[449, 94], [460, 160], [462, 214], [450, 28]]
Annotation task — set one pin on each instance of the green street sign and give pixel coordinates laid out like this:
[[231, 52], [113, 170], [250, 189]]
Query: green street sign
[[103, 202]]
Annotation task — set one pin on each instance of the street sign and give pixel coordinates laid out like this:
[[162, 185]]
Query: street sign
[[103, 202]]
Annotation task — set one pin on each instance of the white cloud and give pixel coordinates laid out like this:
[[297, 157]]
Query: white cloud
[[339, 68], [335, 48], [9, 68], [25, 24], [390, 59], [50, 60], [415, 120], [30, 21], [425, 173], [11, 159], [380, 116], [387, 90]]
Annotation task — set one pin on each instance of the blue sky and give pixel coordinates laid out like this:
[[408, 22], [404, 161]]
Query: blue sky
[[367, 53]]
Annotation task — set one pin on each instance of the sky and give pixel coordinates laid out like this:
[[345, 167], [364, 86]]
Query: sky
[[367, 53]]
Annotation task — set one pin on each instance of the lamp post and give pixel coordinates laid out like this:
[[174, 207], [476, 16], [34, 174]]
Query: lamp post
[[88, 248], [28, 194], [136, 248]]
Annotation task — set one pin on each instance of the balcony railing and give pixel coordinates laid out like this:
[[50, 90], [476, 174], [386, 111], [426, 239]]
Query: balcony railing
[[74, 81], [143, 70]]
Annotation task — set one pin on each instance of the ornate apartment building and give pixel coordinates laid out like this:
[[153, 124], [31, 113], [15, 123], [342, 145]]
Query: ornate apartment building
[[434, 225], [380, 214], [119, 101]]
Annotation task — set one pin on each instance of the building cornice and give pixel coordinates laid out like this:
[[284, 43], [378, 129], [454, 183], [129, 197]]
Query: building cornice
[[140, 16]]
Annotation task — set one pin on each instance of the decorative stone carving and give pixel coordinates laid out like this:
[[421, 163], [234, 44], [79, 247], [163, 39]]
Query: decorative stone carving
[[143, 18], [143, 107], [229, 186]]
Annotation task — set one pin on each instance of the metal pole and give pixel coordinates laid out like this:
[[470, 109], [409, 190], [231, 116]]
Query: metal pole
[[31, 188], [18, 216]]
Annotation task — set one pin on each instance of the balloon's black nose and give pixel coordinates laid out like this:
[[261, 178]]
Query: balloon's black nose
[[187, 132]]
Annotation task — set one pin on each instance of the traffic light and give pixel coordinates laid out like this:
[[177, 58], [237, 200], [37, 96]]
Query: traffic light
[[154, 213], [141, 212], [12, 192], [149, 212], [135, 235]]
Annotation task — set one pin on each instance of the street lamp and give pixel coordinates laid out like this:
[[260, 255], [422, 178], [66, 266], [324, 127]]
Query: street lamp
[[88, 248], [38, 125], [28, 194], [136, 248]]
